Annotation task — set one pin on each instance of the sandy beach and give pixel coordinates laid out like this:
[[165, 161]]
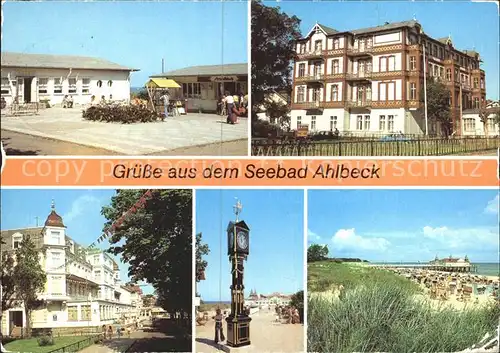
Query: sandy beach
[[458, 290]]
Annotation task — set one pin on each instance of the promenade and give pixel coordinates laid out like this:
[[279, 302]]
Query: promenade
[[265, 335]]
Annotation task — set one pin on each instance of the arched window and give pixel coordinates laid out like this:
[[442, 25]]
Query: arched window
[[99, 83], [110, 83]]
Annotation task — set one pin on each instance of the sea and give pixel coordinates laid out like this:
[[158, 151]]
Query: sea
[[483, 268], [215, 302]]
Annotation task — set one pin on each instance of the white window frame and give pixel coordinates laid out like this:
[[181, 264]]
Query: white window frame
[[299, 121], [333, 123], [382, 124], [313, 123], [366, 123], [72, 88], [469, 124], [5, 86], [43, 86], [58, 86], [390, 122], [359, 122], [85, 86]]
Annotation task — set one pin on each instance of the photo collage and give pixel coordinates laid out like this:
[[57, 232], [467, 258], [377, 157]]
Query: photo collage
[[250, 176]]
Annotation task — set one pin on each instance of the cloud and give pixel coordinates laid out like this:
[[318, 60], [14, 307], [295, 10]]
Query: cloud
[[81, 205], [348, 239], [312, 237], [462, 239], [492, 206]]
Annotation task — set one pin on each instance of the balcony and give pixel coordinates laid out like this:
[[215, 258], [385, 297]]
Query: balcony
[[307, 105], [364, 51], [367, 103], [360, 75], [55, 297], [314, 54], [316, 77]]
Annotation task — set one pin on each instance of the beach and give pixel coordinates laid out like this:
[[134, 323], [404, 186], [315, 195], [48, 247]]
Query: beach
[[355, 307]]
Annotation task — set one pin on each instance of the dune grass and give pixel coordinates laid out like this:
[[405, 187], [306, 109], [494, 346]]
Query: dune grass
[[379, 313]]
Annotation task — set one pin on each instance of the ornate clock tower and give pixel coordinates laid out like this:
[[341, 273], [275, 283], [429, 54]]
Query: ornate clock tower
[[238, 322]]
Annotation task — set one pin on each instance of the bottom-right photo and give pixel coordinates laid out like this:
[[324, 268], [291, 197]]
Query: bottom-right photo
[[403, 271]]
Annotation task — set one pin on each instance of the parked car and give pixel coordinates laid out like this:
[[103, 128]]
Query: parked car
[[395, 137]]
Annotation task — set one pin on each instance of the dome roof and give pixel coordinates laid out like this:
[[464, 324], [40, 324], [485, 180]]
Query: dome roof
[[53, 219]]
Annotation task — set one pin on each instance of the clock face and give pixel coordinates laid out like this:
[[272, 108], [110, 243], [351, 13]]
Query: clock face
[[242, 240]]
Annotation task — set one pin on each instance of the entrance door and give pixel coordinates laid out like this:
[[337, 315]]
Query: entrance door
[[15, 320], [27, 89]]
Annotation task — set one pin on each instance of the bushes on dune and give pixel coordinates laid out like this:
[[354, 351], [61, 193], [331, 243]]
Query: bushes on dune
[[382, 316]]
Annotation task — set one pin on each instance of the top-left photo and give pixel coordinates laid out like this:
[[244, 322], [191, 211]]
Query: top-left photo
[[124, 78]]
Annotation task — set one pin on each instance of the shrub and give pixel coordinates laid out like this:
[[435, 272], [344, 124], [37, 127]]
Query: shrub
[[126, 114], [45, 341]]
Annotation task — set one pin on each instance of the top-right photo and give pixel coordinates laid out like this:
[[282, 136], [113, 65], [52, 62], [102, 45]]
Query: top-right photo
[[375, 78]]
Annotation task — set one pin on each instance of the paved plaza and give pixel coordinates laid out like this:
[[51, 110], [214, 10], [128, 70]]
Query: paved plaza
[[266, 336], [175, 133]]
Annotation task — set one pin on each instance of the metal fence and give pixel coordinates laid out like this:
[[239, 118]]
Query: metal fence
[[77, 346], [413, 147]]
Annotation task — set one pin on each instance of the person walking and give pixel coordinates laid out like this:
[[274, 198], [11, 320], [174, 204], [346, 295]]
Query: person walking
[[229, 104], [219, 333], [166, 101]]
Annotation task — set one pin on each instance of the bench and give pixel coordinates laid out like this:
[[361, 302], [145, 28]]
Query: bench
[[23, 108]]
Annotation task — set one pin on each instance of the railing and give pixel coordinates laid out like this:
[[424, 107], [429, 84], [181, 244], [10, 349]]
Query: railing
[[313, 77], [77, 346], [311, 54], [377, 147], [359, 74], [309, 105], [359, 104], [359, 51]]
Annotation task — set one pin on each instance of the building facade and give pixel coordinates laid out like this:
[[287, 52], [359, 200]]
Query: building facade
[[474, 125], [370, 81], [83, 287], [203, 86], [260, 300], [31, 78]]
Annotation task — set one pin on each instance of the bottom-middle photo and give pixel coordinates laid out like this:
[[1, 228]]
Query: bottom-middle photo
[[249, 270]]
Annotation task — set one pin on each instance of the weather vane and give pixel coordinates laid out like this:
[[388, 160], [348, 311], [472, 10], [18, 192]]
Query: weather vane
[[238, 208]]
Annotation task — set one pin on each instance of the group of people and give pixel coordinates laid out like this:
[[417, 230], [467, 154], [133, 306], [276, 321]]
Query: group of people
[[102, 101], [234, 106], [289, 313], [108, 332]]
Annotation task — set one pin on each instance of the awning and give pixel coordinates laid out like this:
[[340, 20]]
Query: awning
[[162, 83]]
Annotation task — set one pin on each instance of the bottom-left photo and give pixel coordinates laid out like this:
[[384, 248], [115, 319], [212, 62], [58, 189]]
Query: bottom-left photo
[[96, 270]]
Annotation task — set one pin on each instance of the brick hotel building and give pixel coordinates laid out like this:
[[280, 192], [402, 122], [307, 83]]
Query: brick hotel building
[[369, 81]]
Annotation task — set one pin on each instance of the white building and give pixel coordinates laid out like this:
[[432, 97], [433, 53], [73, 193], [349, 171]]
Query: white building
[[260, 300], [203, 86], [83, 287], [473, 126], [39, 77], [369, 81]]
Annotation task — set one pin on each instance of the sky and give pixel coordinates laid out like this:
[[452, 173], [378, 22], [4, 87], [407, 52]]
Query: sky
[[276, 222], [79, 209], [469, 24], [134, 34], [405, 225]]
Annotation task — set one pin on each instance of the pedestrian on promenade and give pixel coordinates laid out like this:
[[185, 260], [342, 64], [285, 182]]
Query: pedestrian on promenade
[[110, 332], [104, 332], [166, 102], [219, 333]]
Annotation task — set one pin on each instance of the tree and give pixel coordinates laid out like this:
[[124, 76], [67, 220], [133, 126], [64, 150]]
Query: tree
[[142, 94], [6, 281], [317, 252], [484, 113], [438, 105], [297, 301], [156, 242], [148, 300], [29, 278], [273, 49], [201, 250]]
